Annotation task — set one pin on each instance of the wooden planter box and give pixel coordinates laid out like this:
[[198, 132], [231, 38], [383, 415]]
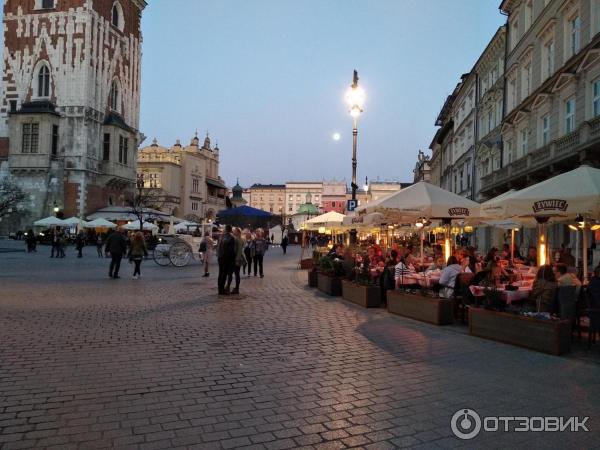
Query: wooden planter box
[[437, 311], [312, 278], [329, 285], [307, 264], [548, 336], [365, 296]]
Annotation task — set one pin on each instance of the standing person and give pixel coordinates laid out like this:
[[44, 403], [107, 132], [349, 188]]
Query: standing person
[[248, 252], [116, 245], [62, 243], [239, 261], [284, 244], [31, 241], [137, 251], [99, 242], [226, 258], [79, 243], [260, 246], [206, 246], [55, 243]]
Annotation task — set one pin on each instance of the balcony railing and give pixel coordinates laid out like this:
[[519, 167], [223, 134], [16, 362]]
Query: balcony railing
[[560, 149]]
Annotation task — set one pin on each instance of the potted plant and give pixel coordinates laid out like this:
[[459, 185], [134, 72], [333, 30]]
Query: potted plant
[[329, 276], [360, 288], [431, 309]]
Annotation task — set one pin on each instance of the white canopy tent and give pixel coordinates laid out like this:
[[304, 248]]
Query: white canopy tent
[[99, 223], [50, 221], [75, 221], [363, 221]]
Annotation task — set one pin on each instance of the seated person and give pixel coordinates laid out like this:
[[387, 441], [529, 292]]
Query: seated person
[[402, 269], [566, 278], [531, 259], [491, 278], [465, 264], [544, 289], [593, 290], [448, 277], [567, 258]]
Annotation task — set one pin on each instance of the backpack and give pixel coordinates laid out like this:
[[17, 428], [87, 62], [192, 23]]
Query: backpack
[[203, 246]]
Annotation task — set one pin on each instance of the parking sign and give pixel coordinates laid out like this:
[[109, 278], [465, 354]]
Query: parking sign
[[351, 205]]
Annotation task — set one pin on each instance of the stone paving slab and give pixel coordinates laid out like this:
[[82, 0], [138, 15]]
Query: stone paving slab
[[162, 362]]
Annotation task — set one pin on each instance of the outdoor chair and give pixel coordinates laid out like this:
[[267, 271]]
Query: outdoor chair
[[593, 315], [566, 300], [459, 299]]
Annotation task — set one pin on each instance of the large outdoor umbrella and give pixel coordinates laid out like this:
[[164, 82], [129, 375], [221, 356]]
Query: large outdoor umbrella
[[244, 216], [50, 221], [75, 221], [135, 225], [568, 195], [99, 223], [330, 219], [423, 200], [364, 220]]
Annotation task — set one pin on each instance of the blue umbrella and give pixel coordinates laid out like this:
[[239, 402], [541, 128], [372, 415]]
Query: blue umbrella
[[245, 211]]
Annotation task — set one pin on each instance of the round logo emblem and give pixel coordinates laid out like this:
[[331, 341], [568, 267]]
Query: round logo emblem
[[465, 424]]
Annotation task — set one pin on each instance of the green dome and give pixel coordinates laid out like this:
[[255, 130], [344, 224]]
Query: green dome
[[308, 209]]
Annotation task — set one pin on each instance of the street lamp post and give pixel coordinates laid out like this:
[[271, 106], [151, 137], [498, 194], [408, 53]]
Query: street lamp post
[[355, 98]]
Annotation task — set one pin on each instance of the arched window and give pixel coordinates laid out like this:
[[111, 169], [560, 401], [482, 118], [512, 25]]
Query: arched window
[[113, 96], [116, 17], [43, 82]]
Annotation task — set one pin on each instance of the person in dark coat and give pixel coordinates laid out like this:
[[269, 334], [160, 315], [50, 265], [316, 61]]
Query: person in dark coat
[[226, 258], [116, 245], [31, 241], [80, 243], [284, 244]]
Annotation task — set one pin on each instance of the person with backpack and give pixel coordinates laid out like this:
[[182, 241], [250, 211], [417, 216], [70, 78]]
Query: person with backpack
[[226, 258], [206, 246], [260, 246]]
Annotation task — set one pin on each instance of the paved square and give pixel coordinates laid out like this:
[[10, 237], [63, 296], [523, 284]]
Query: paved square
[[162, 362]]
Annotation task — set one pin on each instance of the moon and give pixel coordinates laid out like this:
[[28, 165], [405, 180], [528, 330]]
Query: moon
[[336, 136]]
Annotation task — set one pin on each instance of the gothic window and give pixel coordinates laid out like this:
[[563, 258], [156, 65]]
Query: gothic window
[[116, 17], [106, 147], [123, 149], [54, 147], [43, 82], [113, 97]]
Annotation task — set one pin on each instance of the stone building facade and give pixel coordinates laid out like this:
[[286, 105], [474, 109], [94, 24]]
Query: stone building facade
[[334, 196], [69, 113], [422, 170], [296, 192], [184, 179], [268, 197], [552, 115]]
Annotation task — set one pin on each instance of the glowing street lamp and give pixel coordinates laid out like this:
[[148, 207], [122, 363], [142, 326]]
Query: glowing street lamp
[[355, 99]]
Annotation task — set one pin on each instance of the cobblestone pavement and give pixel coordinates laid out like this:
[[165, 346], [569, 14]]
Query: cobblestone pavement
[[162, 362]]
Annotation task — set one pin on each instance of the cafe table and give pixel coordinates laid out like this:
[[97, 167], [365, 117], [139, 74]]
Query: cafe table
[[510, 296]]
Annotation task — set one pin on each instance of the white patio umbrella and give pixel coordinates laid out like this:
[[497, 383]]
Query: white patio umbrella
[[135, 225], [496, 208], [567, 196], [330, 219], [423, 200], [75, 221], [363, 221], [50, 221], [99, 223], [183, 226]]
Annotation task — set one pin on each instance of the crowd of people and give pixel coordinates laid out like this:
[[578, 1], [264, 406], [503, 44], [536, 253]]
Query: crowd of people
[[395, 268]]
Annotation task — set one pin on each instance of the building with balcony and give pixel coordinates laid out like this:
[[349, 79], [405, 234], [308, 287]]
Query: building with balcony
[[552, 115], [489, 70], [185, 179], [463, 143], [69, 113]]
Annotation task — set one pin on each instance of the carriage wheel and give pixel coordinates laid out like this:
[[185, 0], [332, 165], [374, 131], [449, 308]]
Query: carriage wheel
[[161, 255], [180, 254]]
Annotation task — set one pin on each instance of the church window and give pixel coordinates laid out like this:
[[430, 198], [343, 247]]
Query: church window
[[54, 148], [43, 87], [31, 133], [113, 96], [116, 17], [106, 147], [123, 149]]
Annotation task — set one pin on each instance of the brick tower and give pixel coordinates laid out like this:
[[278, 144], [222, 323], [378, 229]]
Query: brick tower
[[69, 113]]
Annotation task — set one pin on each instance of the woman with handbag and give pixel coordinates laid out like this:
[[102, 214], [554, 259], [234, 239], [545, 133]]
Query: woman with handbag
[[137, 251]]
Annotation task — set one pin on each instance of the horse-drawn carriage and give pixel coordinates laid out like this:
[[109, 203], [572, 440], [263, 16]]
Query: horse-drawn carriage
[[179, 249]]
